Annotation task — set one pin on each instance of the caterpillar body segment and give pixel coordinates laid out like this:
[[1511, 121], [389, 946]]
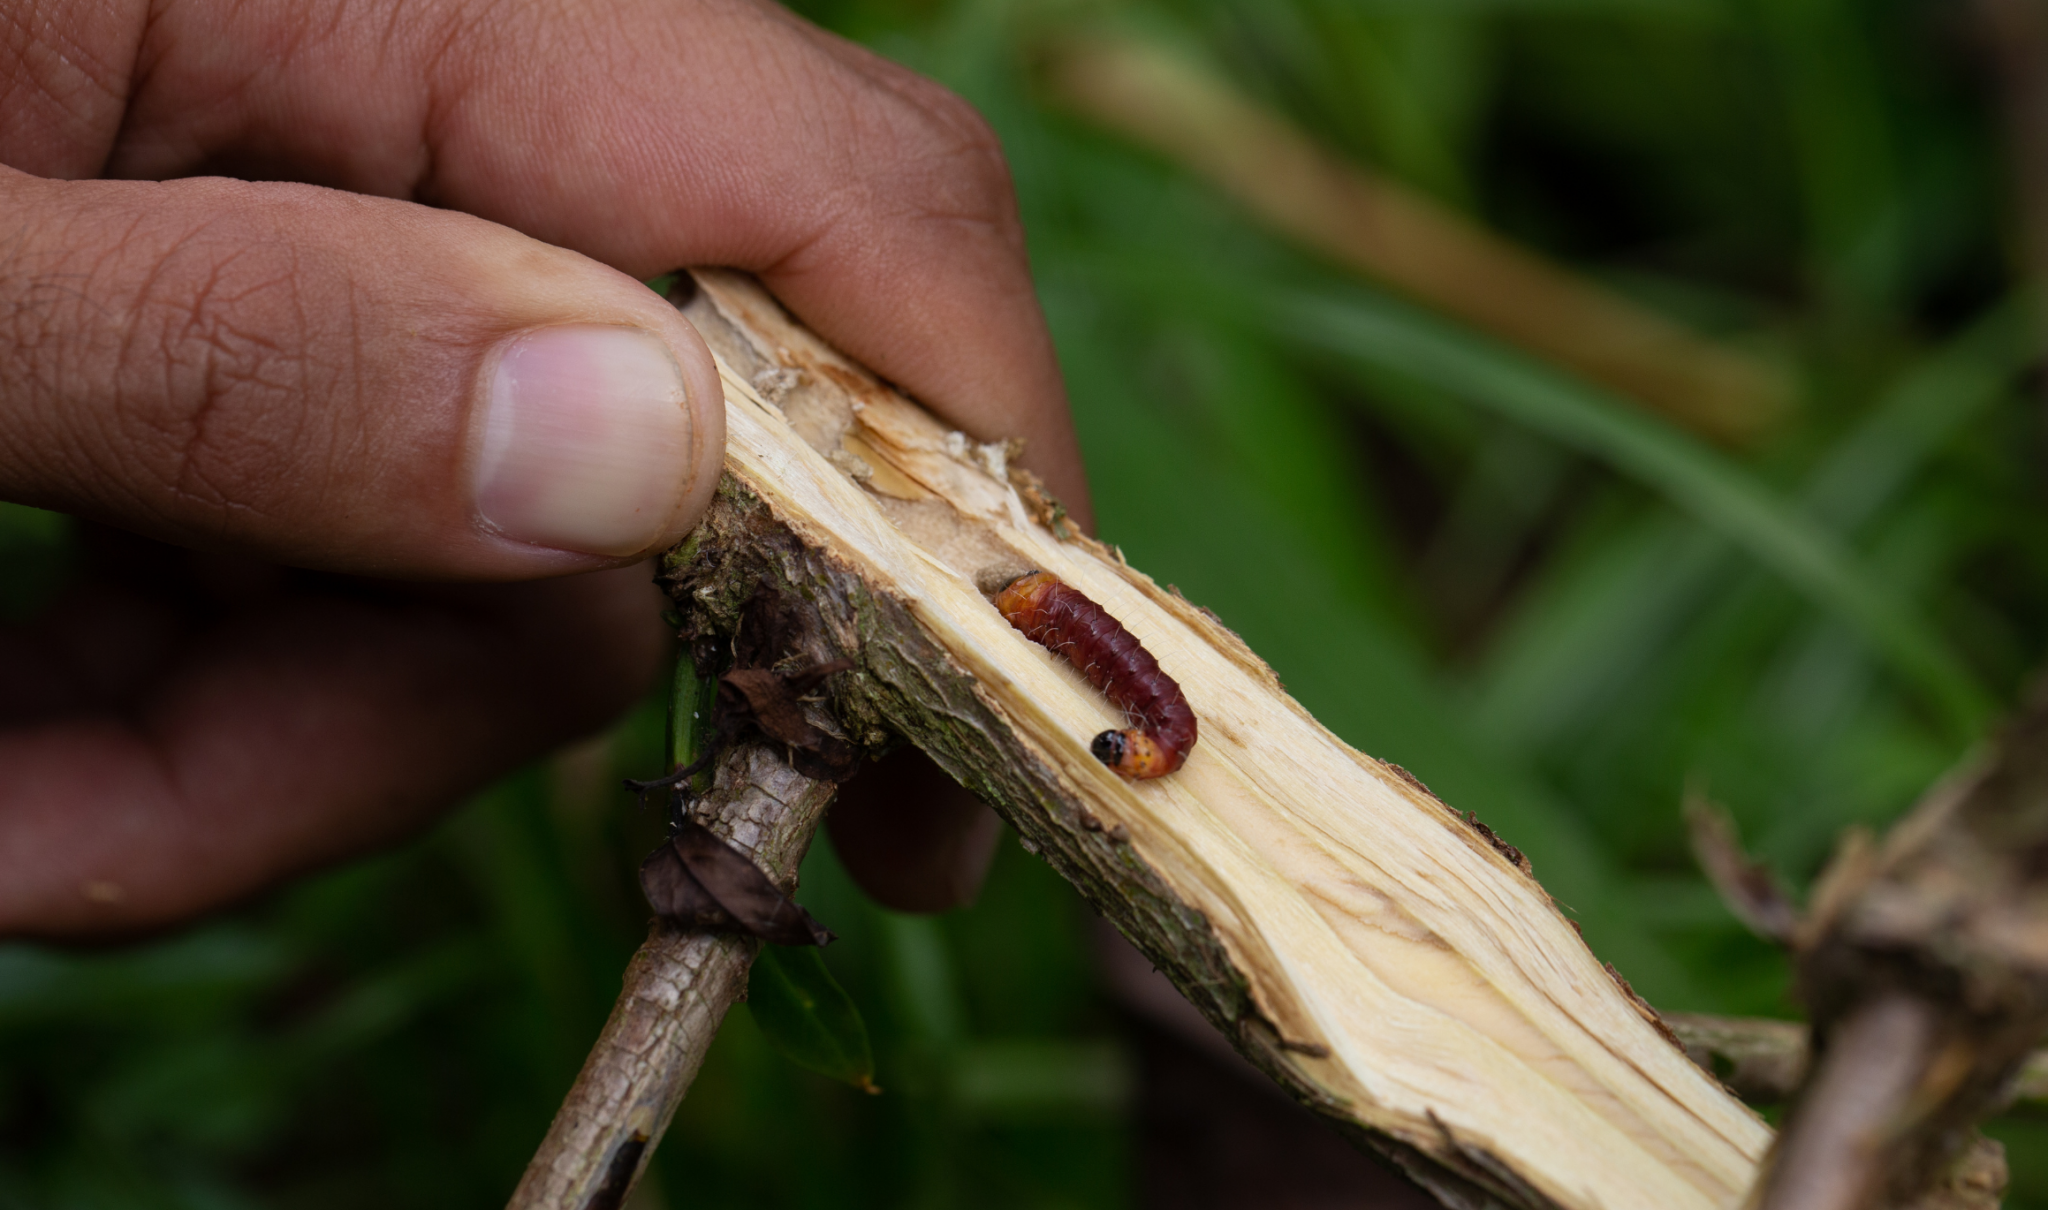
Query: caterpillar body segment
[[1064, 620]]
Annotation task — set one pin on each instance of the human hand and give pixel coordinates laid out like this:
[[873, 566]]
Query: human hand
[[429, 360]]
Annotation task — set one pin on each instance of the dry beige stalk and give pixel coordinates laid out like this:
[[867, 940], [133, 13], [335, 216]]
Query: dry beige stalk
[[1401, 237], [1394, 967]]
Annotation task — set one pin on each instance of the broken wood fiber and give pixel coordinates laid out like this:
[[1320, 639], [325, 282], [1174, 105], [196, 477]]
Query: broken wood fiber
[[1382, 959]]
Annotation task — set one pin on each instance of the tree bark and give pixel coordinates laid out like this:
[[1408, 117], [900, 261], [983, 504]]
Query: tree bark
[[1394, 966]]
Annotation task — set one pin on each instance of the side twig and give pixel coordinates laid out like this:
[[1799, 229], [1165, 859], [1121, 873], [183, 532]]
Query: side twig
[[1763, 1060], [677, 990], [1924, 962]]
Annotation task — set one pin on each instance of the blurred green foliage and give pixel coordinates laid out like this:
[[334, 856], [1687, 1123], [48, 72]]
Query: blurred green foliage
[[1555, 610], [807, 1016]]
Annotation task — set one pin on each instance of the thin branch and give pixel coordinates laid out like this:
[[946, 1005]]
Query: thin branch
[[677, 990], [1833, 1154]]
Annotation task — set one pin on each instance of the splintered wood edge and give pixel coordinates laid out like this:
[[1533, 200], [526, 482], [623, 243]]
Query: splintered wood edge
[[1409, 978]]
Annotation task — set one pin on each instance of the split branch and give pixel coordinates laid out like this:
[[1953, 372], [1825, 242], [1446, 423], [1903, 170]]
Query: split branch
[[1393, 965]]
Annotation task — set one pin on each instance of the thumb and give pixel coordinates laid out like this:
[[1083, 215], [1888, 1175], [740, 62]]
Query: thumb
[[351, 383]]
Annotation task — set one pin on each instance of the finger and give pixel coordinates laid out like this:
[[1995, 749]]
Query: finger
[[301, 728], [342, 382], [875, 203], [913, 838]]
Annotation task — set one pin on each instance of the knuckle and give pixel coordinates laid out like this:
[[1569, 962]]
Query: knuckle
[[946, 162], [963, 150]]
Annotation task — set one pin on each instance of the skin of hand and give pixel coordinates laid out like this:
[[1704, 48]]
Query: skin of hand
[[324, 316]]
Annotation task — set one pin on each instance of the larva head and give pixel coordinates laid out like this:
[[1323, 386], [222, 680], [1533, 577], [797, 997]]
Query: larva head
[[1134, 754], [1023, 594]]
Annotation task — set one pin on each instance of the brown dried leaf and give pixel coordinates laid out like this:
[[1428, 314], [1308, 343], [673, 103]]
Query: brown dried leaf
[[767, 700], [703, 884], [675, 894], [773, 702]]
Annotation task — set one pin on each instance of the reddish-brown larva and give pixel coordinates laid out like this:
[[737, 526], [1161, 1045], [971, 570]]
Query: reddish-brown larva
[[1064, 620]]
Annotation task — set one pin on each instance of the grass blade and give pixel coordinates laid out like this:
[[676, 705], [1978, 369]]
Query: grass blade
[[1356, 324]]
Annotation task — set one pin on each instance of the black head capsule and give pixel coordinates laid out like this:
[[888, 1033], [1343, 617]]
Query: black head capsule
[[1108, 748]]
